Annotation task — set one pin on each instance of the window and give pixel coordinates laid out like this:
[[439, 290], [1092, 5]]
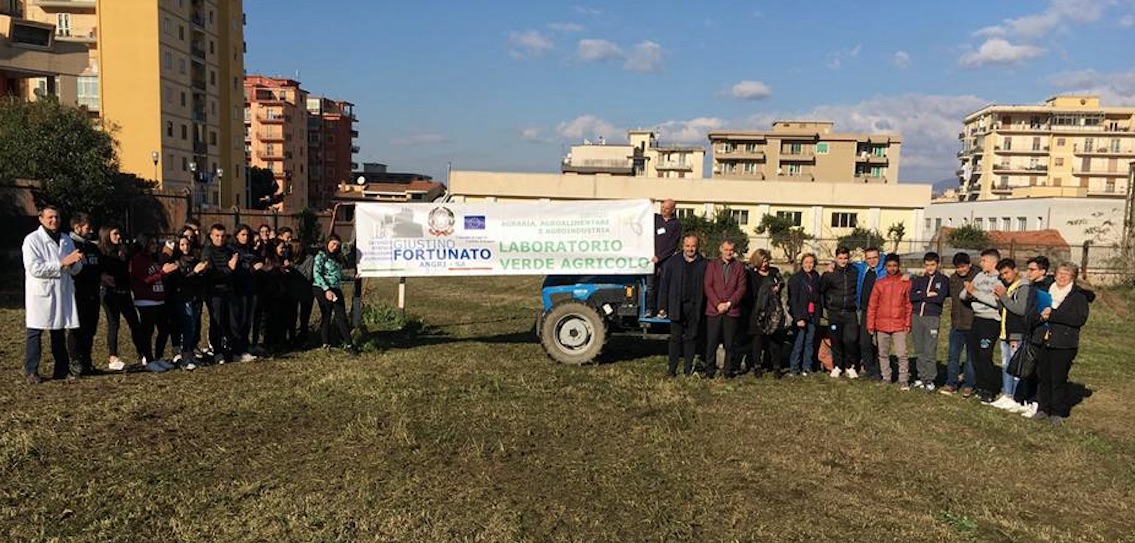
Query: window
[[184, 132], [181, 65], [845, 220], [167, 60], [212, 78], [26, 34], [927, 224], [938, 224], [822, 148], [181, 32], [993, 223], [880, 151], [63, 24], [1022, 224], [750, 147], [212, 138], [977, 223], [184, 164], [1058, 161], [212, 47], [165, 25], [876, 171], [1006, 223], [88, 95], [740, 215], [685, 212], [793, 149], [1060, 142], [727, 147], [749, 168], [793, 169], [169, 128], [796, 217]]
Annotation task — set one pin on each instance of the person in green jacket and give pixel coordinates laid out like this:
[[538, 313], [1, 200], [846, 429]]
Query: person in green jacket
[[327, 273]]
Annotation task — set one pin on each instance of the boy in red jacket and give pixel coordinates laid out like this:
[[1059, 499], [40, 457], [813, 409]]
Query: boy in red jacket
[[888, 319]]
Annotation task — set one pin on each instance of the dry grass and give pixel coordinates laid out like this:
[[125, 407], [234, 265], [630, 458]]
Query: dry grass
[[474, 435]]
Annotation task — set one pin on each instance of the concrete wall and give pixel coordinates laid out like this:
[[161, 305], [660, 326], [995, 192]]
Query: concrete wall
[[1073, 217]]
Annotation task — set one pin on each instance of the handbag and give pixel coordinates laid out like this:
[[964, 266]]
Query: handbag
[[1023, 363]]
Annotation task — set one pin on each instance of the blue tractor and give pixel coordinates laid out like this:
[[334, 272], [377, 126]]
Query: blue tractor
[[581, 312]]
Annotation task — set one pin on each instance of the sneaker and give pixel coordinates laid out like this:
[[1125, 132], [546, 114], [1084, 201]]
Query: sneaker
[[33, 378], [904, 388], [948, 390], [1018, 408], [1039, 415], [219, 360], [988, 400], [803, 374], [835, 372], [189, 366], [1004, 402], [248, 357], [177, 359], [917, 383], [661, 315], [1030, 410], [1056, 421], [930, 388], [116, 364], [852, 374]]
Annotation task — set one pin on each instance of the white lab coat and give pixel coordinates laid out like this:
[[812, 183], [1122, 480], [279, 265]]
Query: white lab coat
[[49, 290]]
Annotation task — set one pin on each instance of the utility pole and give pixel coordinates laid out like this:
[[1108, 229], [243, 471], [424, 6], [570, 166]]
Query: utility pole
[[1129, 212]]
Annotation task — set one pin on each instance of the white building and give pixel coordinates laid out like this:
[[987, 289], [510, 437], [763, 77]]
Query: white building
[[1098, 220]]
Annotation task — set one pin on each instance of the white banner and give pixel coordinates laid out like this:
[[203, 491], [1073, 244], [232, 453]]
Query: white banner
[[592, 237]]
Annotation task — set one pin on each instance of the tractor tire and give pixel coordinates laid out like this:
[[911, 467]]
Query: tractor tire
[[573, 333]]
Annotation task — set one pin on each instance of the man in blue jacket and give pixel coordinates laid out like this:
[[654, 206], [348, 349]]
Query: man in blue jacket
[[867, 272], [929, 293]]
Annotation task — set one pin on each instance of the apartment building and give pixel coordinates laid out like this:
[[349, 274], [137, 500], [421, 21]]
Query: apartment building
[[33, 60], [1069, 146], [169, 78], [75, 22], [276, 136], [806, 151], [641, 156], [331, 148]]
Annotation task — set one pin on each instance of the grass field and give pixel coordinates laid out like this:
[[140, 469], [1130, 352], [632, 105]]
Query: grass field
[[471, 434]]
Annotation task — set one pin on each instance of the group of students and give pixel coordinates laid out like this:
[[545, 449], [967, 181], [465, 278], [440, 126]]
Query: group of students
[[257, 287], [872, 309]]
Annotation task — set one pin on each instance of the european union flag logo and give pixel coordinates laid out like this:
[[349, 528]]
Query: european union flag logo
[[474, 222]]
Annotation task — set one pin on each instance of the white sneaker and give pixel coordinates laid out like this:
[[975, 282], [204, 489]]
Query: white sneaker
[[930, 387], [1004, 402], [917, 384], [247, 357], [176, 358], [1030, 410], [852, 374], [1017, 408], [116, 364], [835, 372]]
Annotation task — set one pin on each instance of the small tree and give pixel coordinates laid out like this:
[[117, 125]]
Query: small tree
[[783, 235], [896, 233], [309, 233], [968, 237], [711, 232], [263, 187], [861, 238]]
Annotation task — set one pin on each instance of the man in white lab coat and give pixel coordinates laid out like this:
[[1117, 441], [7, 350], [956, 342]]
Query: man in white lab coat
[[50, 261]]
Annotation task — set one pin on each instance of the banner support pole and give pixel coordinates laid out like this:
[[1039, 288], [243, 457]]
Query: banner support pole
[[402, 297]]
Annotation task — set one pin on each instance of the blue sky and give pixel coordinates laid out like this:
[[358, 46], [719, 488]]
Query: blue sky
[[507, 85]]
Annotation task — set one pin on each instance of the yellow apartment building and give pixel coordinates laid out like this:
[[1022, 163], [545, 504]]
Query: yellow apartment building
[[76, 23], [276, 128], [33, 60], [641, 156], [170, 84], [1069, 146], [806, 151], [824, 210]]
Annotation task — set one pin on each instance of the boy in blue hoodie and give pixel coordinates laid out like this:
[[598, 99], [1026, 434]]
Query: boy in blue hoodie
[[929, 293]]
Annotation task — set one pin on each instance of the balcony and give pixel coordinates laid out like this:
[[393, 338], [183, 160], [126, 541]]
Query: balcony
[[877, 179], [200, 148], [273, 118], [1005, 167], [354, 133], [269, 98], [802, 156], [1001, 188], [270, 154], [739, 154], [1022, 128], [65, 34], [616, 166], [355, 149], [68, 5], [674, 165], [198, 20], [199, 84], [871, 159], [1103, 151], [199, 116], [197, 52], [270, 136], [1038, 150], [1089, 173]]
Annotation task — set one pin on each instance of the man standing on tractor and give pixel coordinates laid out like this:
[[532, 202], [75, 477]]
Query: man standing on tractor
[[681, 295], [667, 235]]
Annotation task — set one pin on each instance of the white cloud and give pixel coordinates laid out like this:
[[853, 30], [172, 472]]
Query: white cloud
[[421, 138], [693, 131], [592, 50], [1058, 14], [1128, 21], [532, 134], [587, 126], [645, 56], [999, 51], [901, 59], [528, 44], [566, 27], [1114, 89], [588, 11], [750, 90], [835, 58]]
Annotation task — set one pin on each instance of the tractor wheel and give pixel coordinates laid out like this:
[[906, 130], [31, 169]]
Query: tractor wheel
[[573, 333]]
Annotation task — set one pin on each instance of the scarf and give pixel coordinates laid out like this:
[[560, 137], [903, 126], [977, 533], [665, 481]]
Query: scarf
[[1059, 294]]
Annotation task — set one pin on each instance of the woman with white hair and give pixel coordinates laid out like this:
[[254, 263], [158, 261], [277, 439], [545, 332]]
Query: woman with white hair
[[1058, 341]]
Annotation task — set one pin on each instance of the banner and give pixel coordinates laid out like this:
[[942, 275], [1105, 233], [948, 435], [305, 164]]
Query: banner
[[593, 237]]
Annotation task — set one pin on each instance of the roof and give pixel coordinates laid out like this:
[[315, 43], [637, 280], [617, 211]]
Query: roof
[[1000, 238]]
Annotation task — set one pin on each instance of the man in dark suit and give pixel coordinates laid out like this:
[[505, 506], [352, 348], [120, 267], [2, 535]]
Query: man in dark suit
[[724, 287], [681, 296]]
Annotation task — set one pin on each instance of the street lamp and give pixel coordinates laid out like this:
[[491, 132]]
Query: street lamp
[[154, 156]]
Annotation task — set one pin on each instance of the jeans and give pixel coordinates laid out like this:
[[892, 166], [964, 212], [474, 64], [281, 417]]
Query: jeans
[[959, 340], [329, 310], [1008, 382], [240, 322], [34, 351], [721, 329], [81, 340], [219, 326], [983, 338], [845, 338], [924, 330], [803, 349], [187, 316]]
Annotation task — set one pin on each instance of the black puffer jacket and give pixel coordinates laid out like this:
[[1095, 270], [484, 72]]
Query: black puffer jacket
[[838, 289], [1063, 330]]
